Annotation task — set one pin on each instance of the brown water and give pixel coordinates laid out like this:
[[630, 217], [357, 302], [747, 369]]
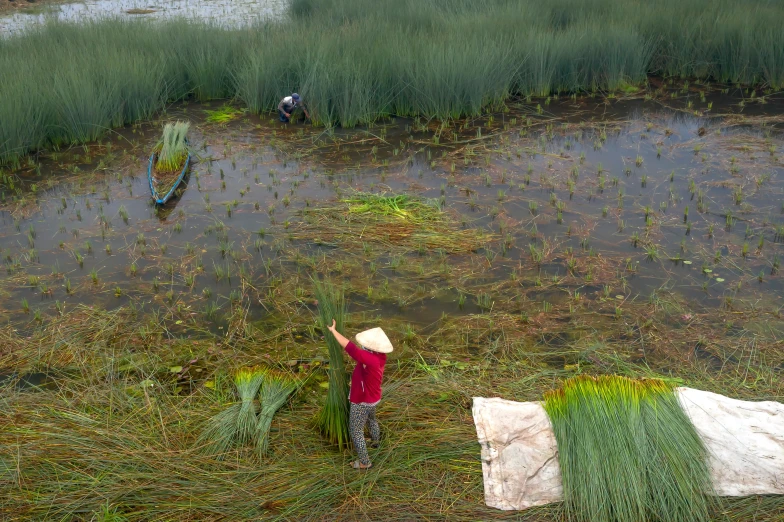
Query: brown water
[[489, 174]]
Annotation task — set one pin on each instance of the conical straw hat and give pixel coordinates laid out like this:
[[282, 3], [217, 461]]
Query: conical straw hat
[[375, 339]]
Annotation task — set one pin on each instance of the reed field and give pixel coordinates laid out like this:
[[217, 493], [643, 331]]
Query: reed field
[[607, 213], [356, 60]]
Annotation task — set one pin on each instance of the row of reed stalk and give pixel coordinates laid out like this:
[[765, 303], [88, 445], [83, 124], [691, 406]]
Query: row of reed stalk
[[628, 452]]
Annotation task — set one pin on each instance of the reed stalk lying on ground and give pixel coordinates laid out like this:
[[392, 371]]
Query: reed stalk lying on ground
[[628, 452], [104, 444], [333, 417]]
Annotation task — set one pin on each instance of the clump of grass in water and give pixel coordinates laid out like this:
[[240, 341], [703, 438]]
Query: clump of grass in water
[[172, 149], [400, 219], [275, 389], [628, 452], [333, 418], [400, 205], [224, 114], [237, 423]]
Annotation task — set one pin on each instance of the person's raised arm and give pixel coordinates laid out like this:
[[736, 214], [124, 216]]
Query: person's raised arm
[[356, 353], [341, 340]]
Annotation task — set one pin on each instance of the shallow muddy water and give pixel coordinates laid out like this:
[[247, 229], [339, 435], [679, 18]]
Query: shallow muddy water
[[583, 202], [226, 13]]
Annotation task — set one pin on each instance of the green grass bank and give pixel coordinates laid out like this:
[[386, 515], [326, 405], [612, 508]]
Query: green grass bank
[[356, 60]]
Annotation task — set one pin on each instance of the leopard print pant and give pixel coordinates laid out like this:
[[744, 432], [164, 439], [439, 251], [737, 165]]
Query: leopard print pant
[[359, 415]]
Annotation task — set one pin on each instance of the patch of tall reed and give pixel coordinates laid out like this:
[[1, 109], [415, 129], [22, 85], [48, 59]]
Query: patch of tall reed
[[357, 60]]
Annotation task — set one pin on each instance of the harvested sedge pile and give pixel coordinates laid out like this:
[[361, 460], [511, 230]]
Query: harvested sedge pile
[[400, 205], [172, 150], [239, 424], [627, 452], [333, 417], [394, 220]]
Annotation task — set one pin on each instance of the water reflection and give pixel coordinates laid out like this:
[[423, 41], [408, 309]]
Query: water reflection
[[228, 13]]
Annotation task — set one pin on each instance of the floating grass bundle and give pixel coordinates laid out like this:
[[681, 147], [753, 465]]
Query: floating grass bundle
[[333, 417], [172, 149], [237, 423], [275, 389], [223, 115], [628, 452]]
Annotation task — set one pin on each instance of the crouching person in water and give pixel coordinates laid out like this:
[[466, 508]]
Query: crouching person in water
[[288, 105], [365, 393]]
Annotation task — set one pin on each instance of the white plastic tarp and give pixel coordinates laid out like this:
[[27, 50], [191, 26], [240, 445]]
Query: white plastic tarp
[[519, 452]]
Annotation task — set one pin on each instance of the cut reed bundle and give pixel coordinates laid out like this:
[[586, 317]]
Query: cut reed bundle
[[218, 436], [275, 389], [237, 423], [172, 149], [627, 452], [247, 382], [333, 417]]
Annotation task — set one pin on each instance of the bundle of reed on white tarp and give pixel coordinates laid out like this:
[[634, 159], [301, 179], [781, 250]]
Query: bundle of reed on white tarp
[[628, 452]]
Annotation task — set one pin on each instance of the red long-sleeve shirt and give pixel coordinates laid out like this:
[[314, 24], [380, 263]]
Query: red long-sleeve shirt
[[367, 376]]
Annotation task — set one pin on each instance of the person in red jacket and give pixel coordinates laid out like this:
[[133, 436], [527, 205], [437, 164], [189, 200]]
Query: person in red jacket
[[365, 387]]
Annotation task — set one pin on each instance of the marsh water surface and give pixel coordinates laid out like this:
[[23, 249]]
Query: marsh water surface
[[222, 12], [583, 204]]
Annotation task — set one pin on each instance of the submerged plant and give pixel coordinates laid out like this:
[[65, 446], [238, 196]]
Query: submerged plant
[[333, 418], [628, 452]]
